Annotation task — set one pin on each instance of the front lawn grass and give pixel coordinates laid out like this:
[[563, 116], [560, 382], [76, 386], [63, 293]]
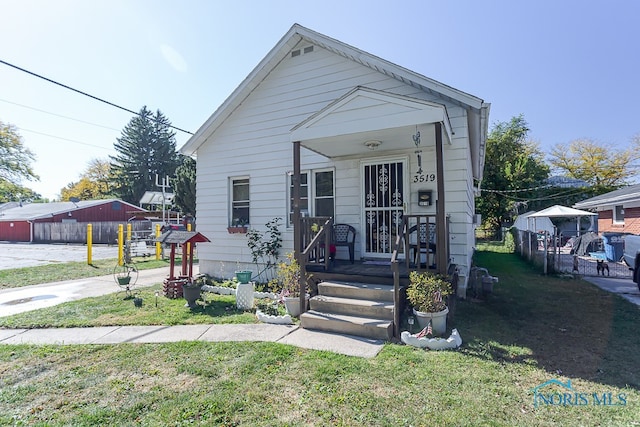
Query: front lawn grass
[[532, 329], [118, 309], [17, 277]]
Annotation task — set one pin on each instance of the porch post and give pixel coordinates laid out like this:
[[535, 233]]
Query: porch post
[[296, 199], [297, 244], [441, 235]]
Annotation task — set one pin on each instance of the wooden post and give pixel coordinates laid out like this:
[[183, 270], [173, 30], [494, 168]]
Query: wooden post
[[171, 265], [441, 235], [297, 244], [183, 262], [191, 251]]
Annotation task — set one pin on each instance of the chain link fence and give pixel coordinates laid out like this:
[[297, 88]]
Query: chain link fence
[[546, 252]]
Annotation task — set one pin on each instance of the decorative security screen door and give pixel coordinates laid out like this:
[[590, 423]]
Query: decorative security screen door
[[383, 205]]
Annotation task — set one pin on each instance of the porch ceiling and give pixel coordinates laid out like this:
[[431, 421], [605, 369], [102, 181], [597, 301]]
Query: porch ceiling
[[393, 139]]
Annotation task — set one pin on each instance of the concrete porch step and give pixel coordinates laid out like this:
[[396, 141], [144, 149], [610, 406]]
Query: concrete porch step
[[356, 290], [345, 324], [352, 307]]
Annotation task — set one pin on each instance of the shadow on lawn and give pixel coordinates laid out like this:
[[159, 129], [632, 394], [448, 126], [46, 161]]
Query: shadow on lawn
[[564, 326]]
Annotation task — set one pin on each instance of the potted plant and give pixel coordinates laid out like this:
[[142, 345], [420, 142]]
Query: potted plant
[[428, 294], [239, 226], [192, 290], [289, 278], [272, 311]]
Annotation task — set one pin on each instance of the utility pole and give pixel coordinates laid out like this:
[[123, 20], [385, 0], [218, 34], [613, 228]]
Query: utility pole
[[164, 185]]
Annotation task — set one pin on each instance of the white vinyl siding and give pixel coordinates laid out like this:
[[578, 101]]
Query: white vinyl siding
[[254, 143]]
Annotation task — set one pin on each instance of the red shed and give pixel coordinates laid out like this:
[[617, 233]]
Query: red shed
[[17, 222]]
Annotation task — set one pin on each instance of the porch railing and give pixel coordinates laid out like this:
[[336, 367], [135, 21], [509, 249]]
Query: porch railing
[[315, 242], [416, 237]]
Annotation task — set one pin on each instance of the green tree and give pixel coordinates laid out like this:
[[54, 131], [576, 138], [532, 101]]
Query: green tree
[[602, 166], [10, 192], [93, 184], [146, 149], [15, 158], [512, 164], [184, 186]]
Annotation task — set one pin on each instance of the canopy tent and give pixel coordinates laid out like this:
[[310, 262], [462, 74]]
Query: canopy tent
[[535, 224], [562, 211], [558, 211]]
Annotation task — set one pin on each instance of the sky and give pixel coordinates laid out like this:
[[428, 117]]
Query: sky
[[569, 67]]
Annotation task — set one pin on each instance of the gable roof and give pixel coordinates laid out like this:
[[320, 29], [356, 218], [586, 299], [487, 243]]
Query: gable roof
[[616, 197], [400, 111], [33, 211], [477, 109]]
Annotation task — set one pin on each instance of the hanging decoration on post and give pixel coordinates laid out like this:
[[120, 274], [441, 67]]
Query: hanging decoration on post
[[416, 140]]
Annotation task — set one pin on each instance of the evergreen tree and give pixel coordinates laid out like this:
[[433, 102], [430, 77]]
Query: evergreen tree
[[184, 186], [146, 149]]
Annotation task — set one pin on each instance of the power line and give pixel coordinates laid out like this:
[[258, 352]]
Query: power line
[[59, 115], [64, 139], [520, 190], [83, 93], [549, 197]]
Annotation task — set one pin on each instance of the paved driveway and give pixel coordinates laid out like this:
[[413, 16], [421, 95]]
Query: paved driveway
[[626, 288], [16, 255]]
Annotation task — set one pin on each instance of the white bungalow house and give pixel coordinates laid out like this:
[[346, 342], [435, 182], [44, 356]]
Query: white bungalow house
[[365, 142]]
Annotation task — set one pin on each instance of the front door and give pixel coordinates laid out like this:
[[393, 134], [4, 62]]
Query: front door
[[384, 201]]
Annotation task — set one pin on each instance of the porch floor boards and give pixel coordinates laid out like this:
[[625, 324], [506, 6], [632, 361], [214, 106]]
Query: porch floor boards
[[363, 271]]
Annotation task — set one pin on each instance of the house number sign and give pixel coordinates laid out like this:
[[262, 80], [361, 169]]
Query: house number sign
[[421, 177]]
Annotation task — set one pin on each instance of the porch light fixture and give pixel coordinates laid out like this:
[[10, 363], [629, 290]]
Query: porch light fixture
[[372, 144]]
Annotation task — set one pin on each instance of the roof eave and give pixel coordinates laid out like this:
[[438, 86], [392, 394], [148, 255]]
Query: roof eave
[[279, 52]]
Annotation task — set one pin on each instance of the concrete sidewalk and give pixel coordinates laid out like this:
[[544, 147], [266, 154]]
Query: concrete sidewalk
[[27, 298], [19, 300], [284, 334], [626, 288]]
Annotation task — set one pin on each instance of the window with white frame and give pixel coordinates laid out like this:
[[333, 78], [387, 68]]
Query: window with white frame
[[239, 201], [317, 194], [618, 214]]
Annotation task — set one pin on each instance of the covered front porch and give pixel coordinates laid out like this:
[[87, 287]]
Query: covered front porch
[[366, 125]]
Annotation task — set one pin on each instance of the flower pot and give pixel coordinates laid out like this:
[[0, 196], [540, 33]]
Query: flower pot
[[244, 296], [438, 320], [191, 294], [278, 320], [243, 276], [122, 281], [292, 304], [237, 230]]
